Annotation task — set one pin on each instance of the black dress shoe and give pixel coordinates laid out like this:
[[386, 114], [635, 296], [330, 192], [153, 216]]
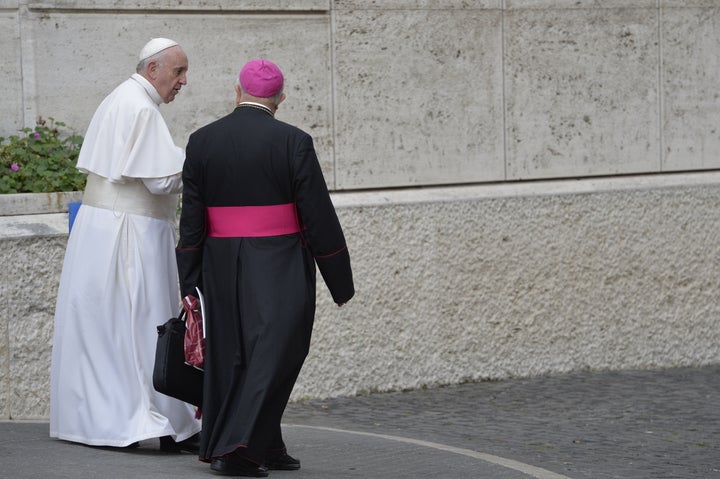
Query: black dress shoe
[[233, 465], [282, 462], [191, 444]]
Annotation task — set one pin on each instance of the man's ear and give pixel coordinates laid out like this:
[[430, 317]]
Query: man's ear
[[152, 69], [238, 94]]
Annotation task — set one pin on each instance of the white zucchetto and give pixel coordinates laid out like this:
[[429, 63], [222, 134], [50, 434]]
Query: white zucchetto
[[156, 45]]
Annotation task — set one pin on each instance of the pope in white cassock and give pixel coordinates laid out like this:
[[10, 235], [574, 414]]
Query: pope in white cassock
[[119, 277]]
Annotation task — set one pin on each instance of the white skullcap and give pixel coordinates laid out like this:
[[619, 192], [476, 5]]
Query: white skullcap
[[156, 45]]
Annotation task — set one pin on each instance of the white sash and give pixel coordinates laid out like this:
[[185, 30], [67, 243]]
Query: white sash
[[130, 197]]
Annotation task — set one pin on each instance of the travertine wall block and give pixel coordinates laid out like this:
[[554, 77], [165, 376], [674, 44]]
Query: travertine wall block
[[434, 119], [209, 5], [415, 4], [581, 92], [214, 65], [10, 74], [689, 3], [579, 4], [691, 114]]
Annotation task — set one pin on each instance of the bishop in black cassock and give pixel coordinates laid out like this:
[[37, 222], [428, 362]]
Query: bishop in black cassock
[[256, 219]]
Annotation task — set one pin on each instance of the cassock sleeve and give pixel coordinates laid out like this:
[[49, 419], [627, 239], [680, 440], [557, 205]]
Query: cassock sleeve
[[192, 224], [322, 229]]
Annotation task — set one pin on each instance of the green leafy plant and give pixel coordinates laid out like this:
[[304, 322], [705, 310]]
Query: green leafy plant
[[40, 160]]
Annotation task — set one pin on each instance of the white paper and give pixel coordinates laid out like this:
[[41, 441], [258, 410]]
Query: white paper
[[202, 309]]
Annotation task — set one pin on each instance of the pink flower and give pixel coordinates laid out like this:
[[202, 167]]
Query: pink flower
[[37, 136], [14, 167]]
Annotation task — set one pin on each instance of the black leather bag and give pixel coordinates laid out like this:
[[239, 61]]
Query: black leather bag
[[172, 376]]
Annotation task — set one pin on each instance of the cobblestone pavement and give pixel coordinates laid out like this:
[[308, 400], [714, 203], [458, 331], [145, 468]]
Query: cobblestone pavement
[[588, 425]]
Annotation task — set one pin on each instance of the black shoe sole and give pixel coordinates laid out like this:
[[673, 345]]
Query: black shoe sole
[[172, 447], [282, 467], [225, 470]]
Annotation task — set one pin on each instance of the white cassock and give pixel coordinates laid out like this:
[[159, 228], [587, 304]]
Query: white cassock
[[119, 280]]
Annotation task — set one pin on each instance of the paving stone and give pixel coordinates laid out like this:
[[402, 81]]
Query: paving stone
[[652, 424]]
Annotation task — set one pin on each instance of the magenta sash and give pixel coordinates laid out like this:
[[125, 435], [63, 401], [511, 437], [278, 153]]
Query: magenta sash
[[251, 221]]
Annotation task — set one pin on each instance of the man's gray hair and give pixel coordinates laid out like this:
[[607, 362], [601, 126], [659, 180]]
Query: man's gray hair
[[142, 64], [276, 97]]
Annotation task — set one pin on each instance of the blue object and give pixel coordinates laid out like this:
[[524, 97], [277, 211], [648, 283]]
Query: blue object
[[73, 208]]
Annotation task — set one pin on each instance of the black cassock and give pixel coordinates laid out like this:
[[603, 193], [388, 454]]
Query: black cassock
[[259, 286]]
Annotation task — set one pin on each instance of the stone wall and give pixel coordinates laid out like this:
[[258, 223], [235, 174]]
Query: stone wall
[[405, 92], [459, 284], [461, 140]]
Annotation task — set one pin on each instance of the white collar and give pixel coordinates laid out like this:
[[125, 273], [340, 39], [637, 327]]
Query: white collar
[[149, 88], [255, 104]]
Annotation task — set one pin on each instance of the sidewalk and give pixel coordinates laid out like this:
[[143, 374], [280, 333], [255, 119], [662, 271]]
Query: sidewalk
[[590, 425]]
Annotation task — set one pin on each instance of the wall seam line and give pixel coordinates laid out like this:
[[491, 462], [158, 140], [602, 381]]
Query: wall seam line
[[504, 91], [661, 89], [333, 99]]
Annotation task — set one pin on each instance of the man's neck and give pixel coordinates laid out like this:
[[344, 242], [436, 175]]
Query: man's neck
[[149, 88]]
